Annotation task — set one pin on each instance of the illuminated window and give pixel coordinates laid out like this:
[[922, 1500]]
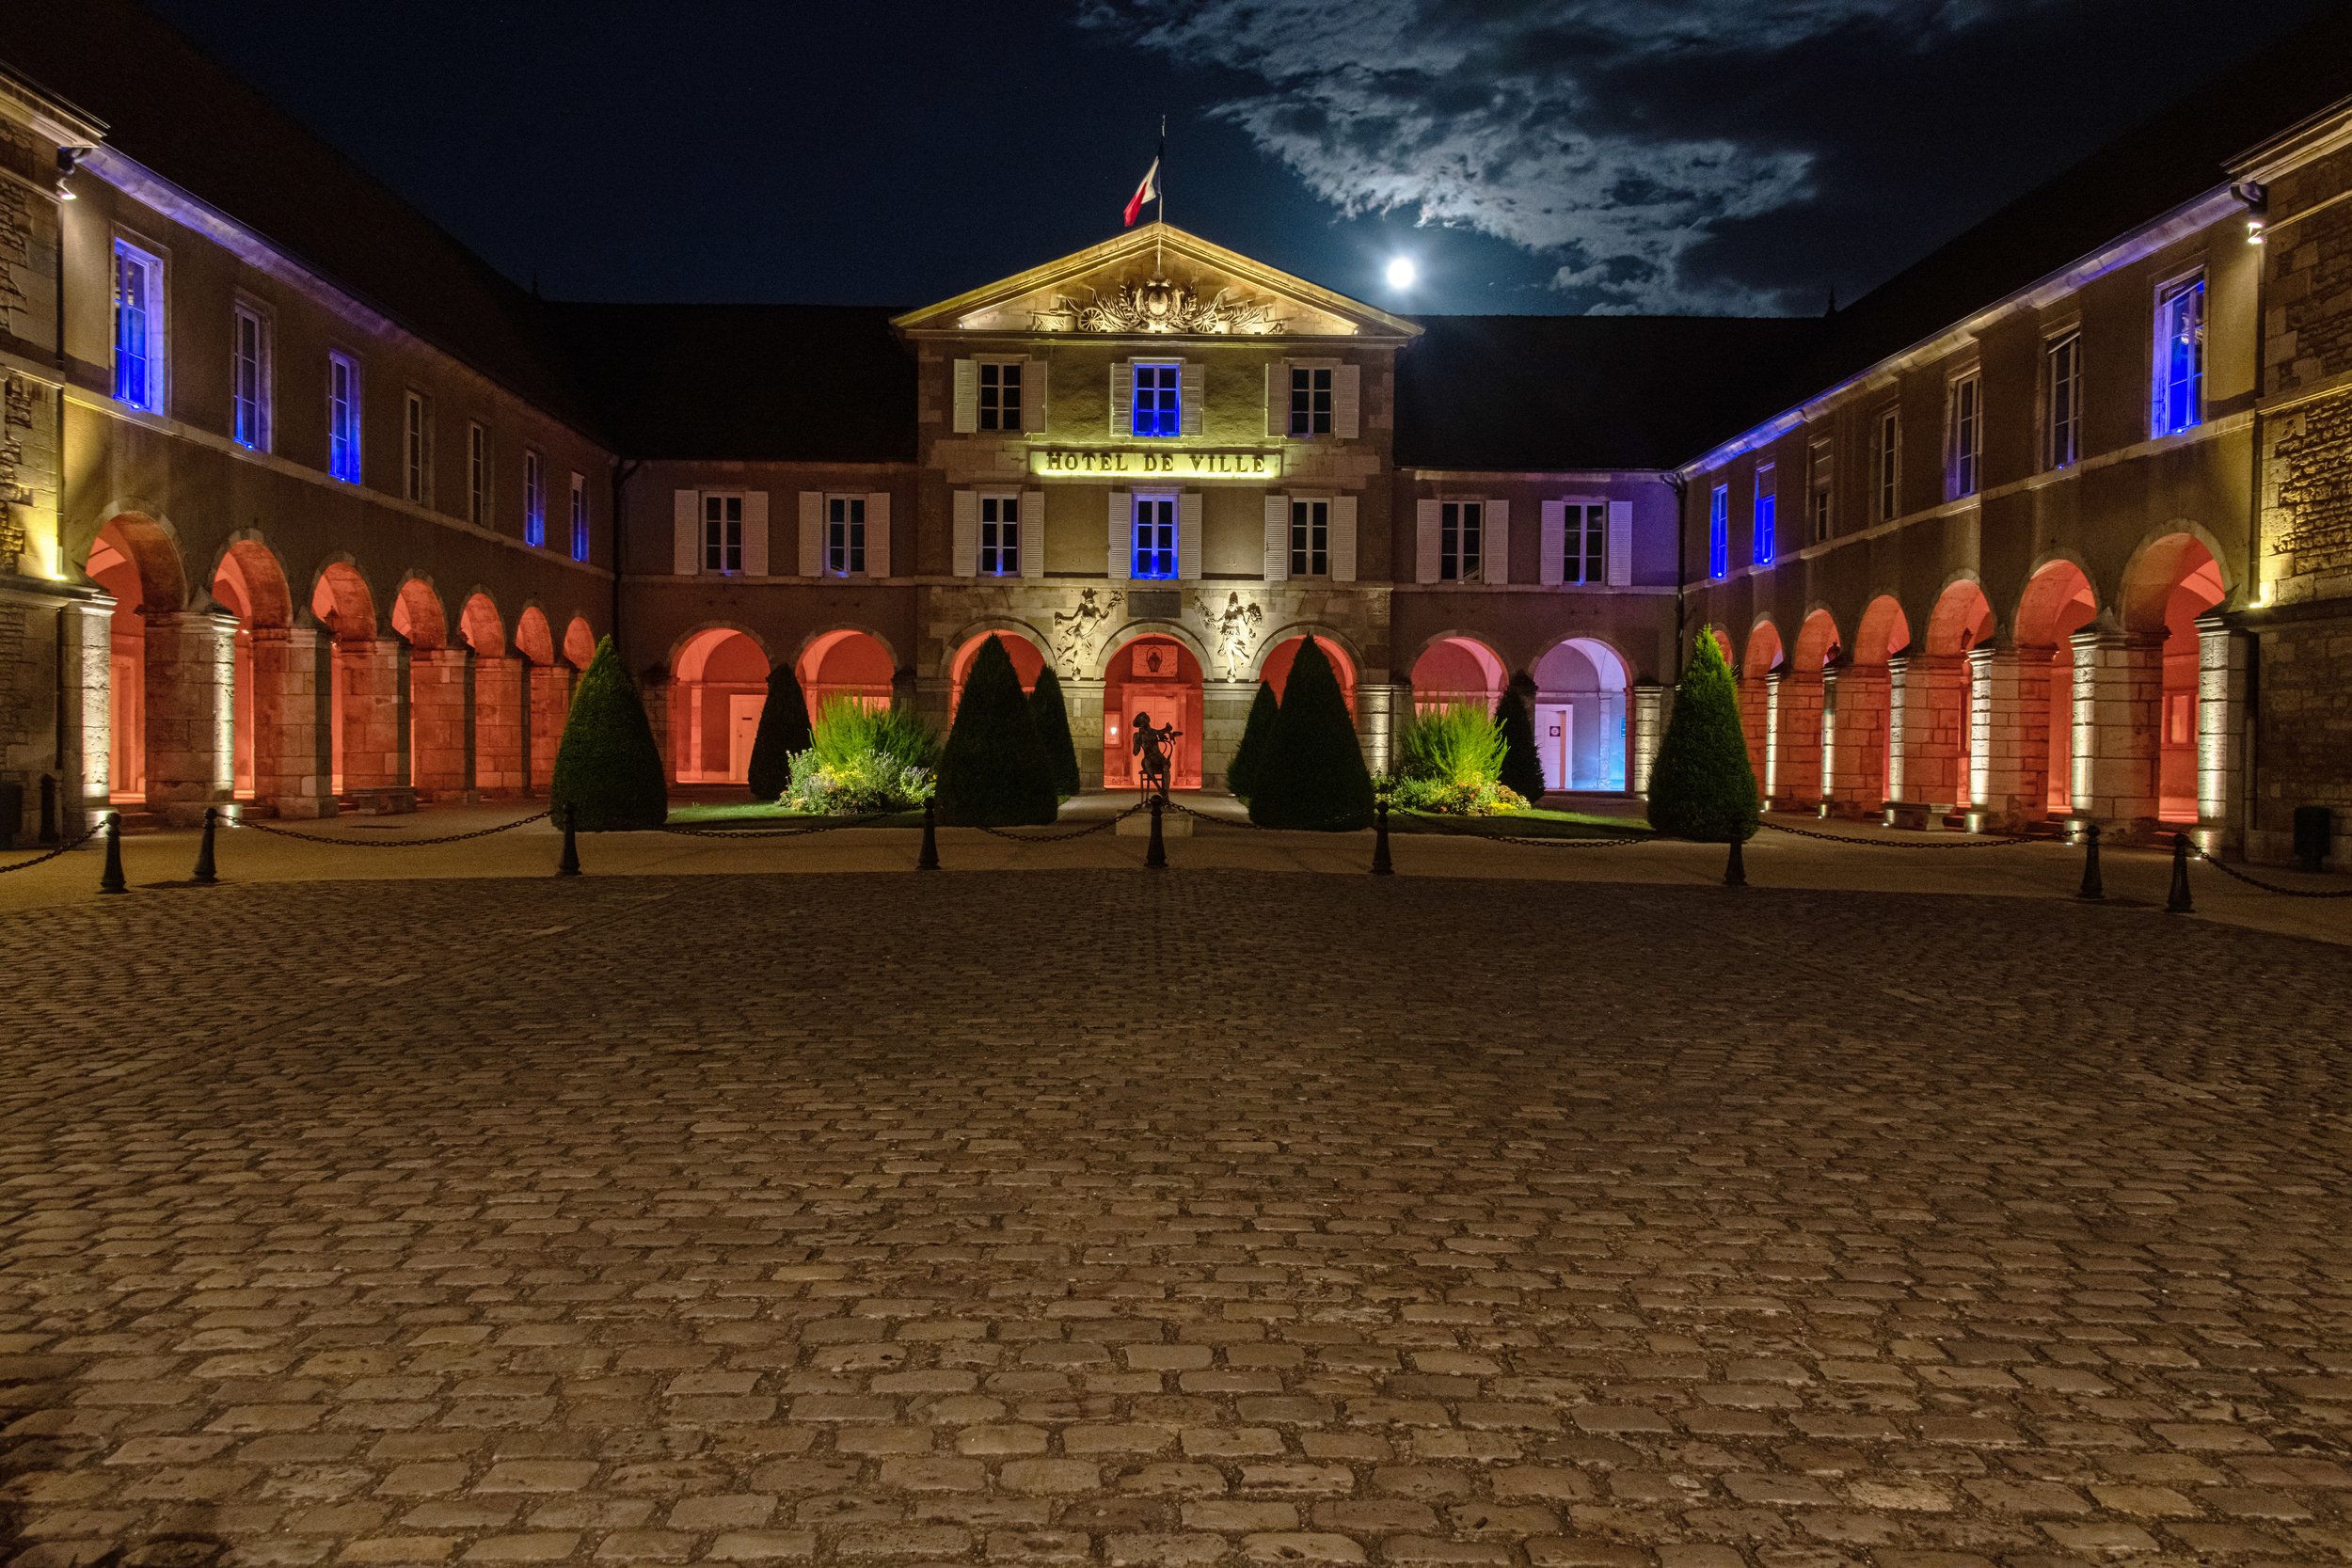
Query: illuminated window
[[1000, 394], [2179, 393], [1157, 401], [1310, 538], [844, 536], [2062, 400], [1964, 435], [1154, 531], [535, 497], [1818, 490], [1461, 540], [1719, 531], [1000, 536], [343, 418], [1585, 543], [248, 379], [1890, 465], [139, 328], [1766, 517], [416, 450], [477, 472], [723, 533], [1310, 400], [579, 517]]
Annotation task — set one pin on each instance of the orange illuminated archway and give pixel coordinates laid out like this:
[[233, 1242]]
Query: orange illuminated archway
[[1158, 677]]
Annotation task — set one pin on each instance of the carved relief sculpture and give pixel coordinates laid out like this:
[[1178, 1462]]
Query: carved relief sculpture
[[1076, 629], [1233, 630], [1157, 306]]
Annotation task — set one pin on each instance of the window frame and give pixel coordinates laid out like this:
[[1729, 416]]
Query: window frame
[[845, 552], [1309, 515], [1964, 434], [249, 415], [1006, 412], [478, 478], [346, 412], [720, 555], [2062, 432], [2185, 285], [1583, 543], [997, 554], [1764, 515], [1820, 489], [1719, 531], [1171, 415], [535, 497], [415, 448], [155, 325], [1465, 519], [1170, 551], [1887, 480], [579, 516], [1320, 423]]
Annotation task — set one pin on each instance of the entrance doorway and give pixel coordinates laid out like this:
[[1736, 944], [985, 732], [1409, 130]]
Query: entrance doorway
[[1555, 732], [1158, 678], [742, 730]]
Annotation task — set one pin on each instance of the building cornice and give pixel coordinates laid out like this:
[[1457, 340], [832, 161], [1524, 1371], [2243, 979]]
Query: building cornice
[[2308, 139]]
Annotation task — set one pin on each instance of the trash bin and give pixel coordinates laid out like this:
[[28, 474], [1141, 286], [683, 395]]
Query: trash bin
[[2314, 830], [11, 812]]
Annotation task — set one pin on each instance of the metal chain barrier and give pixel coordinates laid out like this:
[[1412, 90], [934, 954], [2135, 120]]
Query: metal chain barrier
[[829, 825], [1105, 825], [52, 854], [382, 843], [2235, 875], [1898, 844]]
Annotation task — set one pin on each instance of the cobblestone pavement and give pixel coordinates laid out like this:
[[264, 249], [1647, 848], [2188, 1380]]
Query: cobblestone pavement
[[1089, 1216]]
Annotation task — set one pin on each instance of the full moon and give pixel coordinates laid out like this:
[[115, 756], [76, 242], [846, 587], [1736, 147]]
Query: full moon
[[1401, 273]]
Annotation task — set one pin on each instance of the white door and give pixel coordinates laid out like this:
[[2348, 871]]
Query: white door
[[742, 729], [1555, 729]]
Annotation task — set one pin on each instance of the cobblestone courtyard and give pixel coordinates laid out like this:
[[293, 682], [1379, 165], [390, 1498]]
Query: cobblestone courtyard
[[1095, 1217]]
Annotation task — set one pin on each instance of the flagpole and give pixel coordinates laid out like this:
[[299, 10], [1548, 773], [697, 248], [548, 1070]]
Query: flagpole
[[1162, 161]]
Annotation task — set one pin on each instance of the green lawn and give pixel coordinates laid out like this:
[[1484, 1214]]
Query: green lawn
[[763, 814], [1534, 822]]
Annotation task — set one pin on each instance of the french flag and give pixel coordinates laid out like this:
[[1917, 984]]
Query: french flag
[[1148, 191]]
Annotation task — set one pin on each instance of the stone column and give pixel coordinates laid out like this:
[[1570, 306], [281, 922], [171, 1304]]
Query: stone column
[[368, 681], [1755, 703], [1936, 694], [2118, 696], [1899, 689], [1799, 782], [2224, 663], [1377, 708], [498, 724], [86, 683], [550, 702], [437, 720], [1649, 732], [1999, 776], [191, 713], [1858, 787], [1772, 683], [1830, 679], [290, 776], [1085, 699]]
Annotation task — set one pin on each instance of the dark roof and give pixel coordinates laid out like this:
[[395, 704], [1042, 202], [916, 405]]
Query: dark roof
[[1543, 392], [193, 122], [813, 383]]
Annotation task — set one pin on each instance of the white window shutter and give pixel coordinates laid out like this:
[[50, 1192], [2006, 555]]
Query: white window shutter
[[1494, 557], [1278, 397], [1343, 539], [878, 533], [1425, 541], [1347, 400], [1033, 521], [1189, 381], [685, 530], [1032, 402], [1277, 538], [1123, 525], [1555, 542], [756, 534], [1620, 544], [1122, 397], [1188, 534], [967, 520], [811, 533], [967, 417]]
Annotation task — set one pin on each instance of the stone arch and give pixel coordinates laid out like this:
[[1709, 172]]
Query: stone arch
[[1883, 631], [1457, 667], [1330, 635], [1762, 655], [480, 624], [1156, 669], [846, 661], [1028, 653], [547, 685], [340, 600], [956, 653], [150, 546], [363, 722], [2057, 601], [1279, 655], [1859, 739], [580, 643], [1133, 629], [534, 639], [249, 583], [418, 616], [1584, 695], [1799, 777], [501, 697], [2164, 559], [2171, 582], [718, 689], [437, 691], [1942, 748]]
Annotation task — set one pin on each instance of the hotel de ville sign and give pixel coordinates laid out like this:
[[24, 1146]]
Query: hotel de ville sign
[[1166, 463]]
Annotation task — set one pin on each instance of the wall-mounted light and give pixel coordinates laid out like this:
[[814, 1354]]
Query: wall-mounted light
[[66, 158], [2253, 231], [2257, 199]]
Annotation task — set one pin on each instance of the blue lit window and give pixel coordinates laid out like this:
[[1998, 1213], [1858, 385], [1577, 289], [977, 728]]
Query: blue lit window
[[1000, 536], [1767, 516], [2179, 393], [1155, 532], [1719, 532], [580, 517], [535, 497], [1965, 438], [139, 328], [249, 380], [1157, 406], [343, 418]]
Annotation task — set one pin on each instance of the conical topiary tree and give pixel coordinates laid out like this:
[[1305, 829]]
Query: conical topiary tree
[[1523, 765], [784, 732], [994, 772], [1051, 716], [1241, 773], [1312, 774], [1701, 785], [607, 771]]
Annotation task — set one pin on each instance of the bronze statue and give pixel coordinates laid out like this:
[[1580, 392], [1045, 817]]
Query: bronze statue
[[1152, 744]]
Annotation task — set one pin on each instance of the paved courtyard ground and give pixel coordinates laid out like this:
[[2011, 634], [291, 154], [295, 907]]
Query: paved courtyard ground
[[1091, 1217]]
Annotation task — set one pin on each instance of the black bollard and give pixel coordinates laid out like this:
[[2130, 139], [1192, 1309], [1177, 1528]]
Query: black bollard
[[2093, 888], [48, 809], [928, 859], [1735, 868], [2178, 901], [110, 880], [204, 876], [569, 864], [1155, 853], [1381, 867]]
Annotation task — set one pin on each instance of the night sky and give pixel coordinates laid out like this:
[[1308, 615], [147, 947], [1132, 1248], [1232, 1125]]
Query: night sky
[[1719, 156]]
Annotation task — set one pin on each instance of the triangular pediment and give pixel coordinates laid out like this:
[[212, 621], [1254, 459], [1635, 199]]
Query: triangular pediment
[[1158, 282]]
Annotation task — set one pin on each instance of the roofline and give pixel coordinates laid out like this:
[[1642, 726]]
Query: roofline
[[1155, 233], [2314, 136], [52, 114], [2167, 228]]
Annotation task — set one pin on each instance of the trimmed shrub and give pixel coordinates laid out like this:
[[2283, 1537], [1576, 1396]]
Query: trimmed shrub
[[1515, 715], [1701, 786], [1312, 774], [1051, 716], [1471, 798], [783, 733], [1263, 709], [1457, 744], [862, 758], [993, 770], [607, 771]]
